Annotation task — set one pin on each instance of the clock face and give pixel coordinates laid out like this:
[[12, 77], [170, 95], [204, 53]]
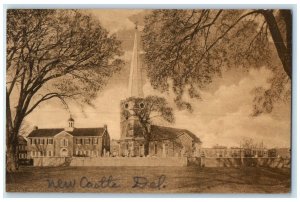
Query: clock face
[[142, 105]]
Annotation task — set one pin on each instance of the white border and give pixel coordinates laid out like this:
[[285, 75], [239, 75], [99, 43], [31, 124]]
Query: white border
[[139, 4]]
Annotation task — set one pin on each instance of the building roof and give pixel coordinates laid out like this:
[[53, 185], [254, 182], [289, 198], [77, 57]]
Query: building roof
[[135, 86], [161, 133], [21, 140], [50, 132]]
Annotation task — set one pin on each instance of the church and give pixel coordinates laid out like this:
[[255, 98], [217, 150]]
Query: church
[[166, 141]]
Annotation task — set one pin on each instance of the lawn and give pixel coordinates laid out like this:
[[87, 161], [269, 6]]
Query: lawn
[[150, 180]]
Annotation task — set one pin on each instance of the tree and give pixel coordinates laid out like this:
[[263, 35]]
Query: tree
[[62, 54], [190, 47], [148, 111], [250, 145]]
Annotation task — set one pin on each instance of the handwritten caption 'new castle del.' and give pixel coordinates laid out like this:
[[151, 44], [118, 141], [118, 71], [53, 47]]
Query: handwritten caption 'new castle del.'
[[108, 182]]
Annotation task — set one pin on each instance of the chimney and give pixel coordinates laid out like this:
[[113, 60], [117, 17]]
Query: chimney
[[35, 128], [105, 127]]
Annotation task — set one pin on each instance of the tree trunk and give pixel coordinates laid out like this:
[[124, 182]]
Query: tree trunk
[[11, 160], [146, 150], [147, 142], [283, 51], [11, 150], [11, 141]]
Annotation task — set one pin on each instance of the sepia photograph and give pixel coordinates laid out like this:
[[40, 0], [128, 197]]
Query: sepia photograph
[[149, 101]]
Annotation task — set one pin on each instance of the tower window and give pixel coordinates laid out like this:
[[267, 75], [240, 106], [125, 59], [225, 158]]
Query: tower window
[[126, 106], [142, 105]]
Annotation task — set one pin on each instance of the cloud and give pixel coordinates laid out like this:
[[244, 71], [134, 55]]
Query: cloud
[[223, 117], [115, 19]]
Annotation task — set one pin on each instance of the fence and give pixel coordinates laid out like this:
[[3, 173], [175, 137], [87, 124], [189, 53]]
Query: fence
[[272, 162], [109, 161], [168, 161]]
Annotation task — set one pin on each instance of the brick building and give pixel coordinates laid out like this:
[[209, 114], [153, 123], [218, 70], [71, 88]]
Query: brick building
[[67, 142]]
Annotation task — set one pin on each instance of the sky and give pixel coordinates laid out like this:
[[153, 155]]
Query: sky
[[222, 116]]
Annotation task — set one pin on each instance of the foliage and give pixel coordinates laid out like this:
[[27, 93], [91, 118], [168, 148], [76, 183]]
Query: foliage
[[152, 107], [148, 110], [186, 49], [63, 54]]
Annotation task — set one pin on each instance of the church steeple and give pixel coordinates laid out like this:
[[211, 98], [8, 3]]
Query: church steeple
[[135, 87]]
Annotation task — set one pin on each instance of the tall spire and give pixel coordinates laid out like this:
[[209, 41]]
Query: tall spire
[[135, 87]]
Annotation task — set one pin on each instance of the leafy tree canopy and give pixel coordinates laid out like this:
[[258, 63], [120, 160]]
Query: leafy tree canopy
[[186, 49]]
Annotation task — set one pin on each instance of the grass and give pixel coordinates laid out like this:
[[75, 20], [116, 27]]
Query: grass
[[177, 180]]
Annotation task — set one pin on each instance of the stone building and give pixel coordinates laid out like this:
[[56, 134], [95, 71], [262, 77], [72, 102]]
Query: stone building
[[166, 141], [69, 141]]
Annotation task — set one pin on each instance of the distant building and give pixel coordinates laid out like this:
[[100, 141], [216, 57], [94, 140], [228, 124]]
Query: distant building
[[67, 142], [215, 152], [280, 152], [22, 147], [166, 141]]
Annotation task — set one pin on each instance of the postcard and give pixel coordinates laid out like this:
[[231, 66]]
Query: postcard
[[148, 101]]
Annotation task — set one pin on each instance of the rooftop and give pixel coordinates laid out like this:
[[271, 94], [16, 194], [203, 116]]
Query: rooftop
[[161, 132], [50, 132]]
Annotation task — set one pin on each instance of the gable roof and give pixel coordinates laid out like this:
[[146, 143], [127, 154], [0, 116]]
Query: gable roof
[[161, 132], [21, 140], [51, 132], [87, 132]]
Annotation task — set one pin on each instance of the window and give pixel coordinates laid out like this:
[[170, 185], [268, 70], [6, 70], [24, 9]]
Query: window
[[167, 149], [76, 152], [64, 142], [50, 141], [95, 141], [87, 141], [155, 148], [126, 106], [142, 105]]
